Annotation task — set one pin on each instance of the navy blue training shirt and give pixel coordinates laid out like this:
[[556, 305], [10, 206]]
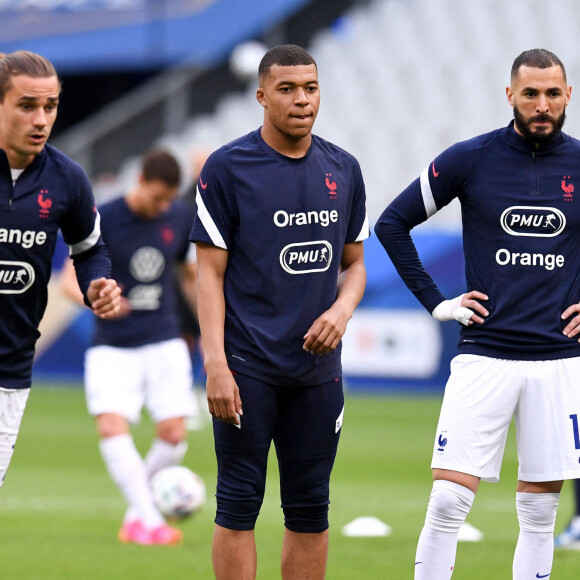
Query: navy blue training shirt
[[521, 221], [284, 223], [144, 253], [52, 193]]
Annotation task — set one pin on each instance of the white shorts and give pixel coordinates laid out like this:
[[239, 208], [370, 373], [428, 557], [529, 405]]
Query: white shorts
[[12, 404], [481, 397], [124, 380]]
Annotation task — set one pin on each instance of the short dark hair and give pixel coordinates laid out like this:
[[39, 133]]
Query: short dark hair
[[160, 165], [284, 55], [536, 58], [22, 62]]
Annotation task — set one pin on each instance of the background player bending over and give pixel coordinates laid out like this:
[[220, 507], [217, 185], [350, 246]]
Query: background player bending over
[[140, 359]]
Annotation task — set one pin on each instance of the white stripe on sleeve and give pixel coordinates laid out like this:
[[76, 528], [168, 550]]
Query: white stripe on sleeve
[[208, 223], [89, 242], [364, 231], [191, 256], [428, 199]]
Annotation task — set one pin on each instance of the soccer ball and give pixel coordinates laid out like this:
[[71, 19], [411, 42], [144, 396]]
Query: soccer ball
[[178, 492]]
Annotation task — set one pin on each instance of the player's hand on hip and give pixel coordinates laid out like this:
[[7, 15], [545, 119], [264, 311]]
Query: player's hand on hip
[[105, 297], [573, 327], [223, 396], [465, 309], [325, 333]]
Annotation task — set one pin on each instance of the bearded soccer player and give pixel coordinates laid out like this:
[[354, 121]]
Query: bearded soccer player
[[41, 191], [518, 349], [279, 230]]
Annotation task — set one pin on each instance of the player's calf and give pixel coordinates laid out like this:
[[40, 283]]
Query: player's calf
[[535, 548]]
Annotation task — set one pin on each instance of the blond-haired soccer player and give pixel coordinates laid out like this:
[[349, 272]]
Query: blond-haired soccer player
[[42, 191]]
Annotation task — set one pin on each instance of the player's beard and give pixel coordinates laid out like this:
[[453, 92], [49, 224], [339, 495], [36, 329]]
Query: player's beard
[[538, 137]]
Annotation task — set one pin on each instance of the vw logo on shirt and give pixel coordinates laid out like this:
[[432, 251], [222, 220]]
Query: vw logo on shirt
[[147, 264]]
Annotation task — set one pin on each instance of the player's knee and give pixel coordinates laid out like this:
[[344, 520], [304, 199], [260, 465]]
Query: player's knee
[[240, 488], [448, 507], [172, 431], [306, 519], [240, 515], [111, 425], [537, 511]]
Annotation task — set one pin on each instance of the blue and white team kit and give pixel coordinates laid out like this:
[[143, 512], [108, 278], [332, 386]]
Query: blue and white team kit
[[52, 193], [141, 359], [521, 217], [284, 223]]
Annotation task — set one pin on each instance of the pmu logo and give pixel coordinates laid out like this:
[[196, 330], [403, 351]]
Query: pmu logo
[[538, 222], [306, 257], [15, 277], [145, 296]]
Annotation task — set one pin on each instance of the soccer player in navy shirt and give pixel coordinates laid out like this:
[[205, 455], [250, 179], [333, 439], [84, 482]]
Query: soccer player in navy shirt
[[279, 229], [519, 353], [41, 191], [140, 359]]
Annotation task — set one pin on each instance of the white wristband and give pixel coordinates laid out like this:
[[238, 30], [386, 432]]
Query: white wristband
[[452, 310]]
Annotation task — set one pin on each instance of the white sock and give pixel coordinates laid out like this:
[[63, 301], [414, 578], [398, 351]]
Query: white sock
[[535, 548], [163, 454], [160, 455], [127, 470], [448, 507]]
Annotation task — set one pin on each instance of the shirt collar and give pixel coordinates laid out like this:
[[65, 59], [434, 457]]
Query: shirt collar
[[525, 145]]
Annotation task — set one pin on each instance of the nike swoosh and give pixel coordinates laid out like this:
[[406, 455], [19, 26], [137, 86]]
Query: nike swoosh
[[435, 173], [418, 563], [203, 185], [543, 576]]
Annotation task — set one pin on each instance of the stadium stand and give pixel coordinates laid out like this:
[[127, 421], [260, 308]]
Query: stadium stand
[[81, 35], [401, 80]]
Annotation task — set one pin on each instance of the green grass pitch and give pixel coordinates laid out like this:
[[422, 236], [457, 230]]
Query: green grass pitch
[[60, 513]]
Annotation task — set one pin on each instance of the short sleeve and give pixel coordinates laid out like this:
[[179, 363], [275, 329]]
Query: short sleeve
[[358, 226], [216, 208]]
